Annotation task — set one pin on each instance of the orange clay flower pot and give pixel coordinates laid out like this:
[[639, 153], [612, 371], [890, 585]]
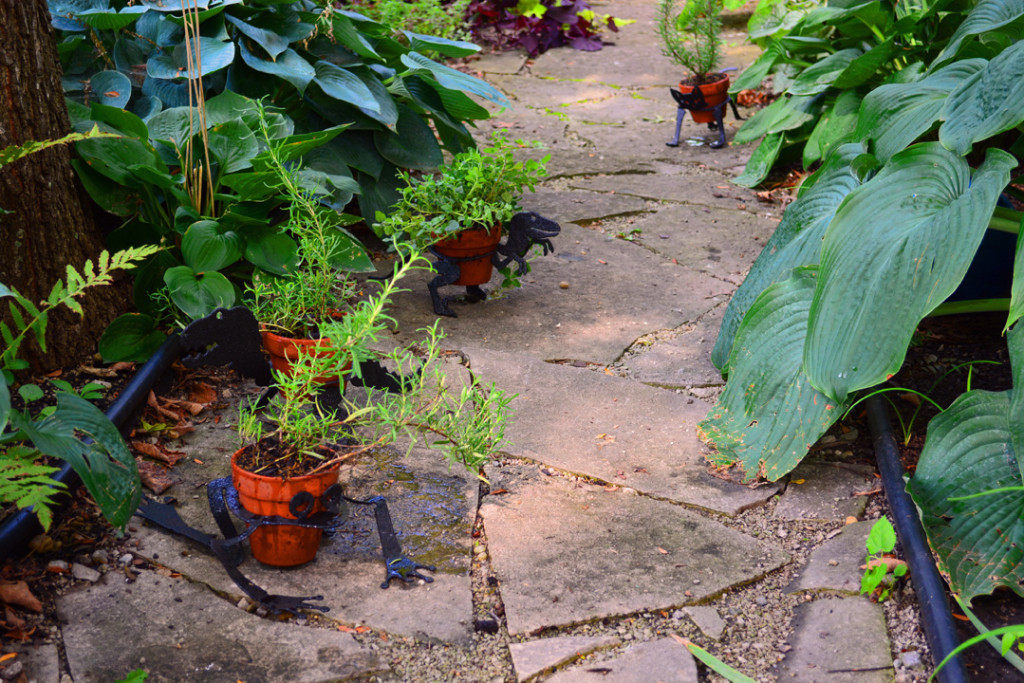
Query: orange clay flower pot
[[285, 350], [467, 244], [714, 93], [281, 546]]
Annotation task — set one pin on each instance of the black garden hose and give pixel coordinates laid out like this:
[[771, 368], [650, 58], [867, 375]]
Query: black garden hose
[[19, 528], [936, 617]]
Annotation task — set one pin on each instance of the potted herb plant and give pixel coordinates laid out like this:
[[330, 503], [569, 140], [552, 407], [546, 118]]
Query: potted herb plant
[[462, 211], [296, 444], [690, 37], [291, 307]]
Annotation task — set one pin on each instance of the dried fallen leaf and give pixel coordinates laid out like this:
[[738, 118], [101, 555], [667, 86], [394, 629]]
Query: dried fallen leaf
[[154, 477], [889, 561], [157, 452], [201, 392], [9, 655], [797, 481], [851, 520], [869, 492], [662, 551], [498, 492], [18, 593]]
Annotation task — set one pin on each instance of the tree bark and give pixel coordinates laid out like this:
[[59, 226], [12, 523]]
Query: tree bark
[[51, 222]]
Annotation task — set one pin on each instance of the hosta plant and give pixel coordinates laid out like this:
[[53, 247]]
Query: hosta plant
[[324, 66], [824, 59], [878, 238]]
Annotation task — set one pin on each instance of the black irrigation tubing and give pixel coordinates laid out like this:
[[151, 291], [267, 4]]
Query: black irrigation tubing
[[936, 617], [18, 529]]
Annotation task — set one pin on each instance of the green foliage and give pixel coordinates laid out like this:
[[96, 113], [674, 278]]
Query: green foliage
[[28, 484], [970, 470], [431, 17], [324, 66], [136, 676], [717, 665], [825, 59], [690, 35], [474, 189], [467, 424], [889, 225], [881, 541], [319, 283], [105, 465]]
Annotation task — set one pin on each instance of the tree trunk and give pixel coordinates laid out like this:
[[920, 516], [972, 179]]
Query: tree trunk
[[51, 221]]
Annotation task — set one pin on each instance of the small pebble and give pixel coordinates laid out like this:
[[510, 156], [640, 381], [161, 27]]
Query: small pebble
[[911, 659], [563, 285], [100, 557], [12, 671], [83, 573], [761, 600], [125, 559], [57, 566], [833, 563]]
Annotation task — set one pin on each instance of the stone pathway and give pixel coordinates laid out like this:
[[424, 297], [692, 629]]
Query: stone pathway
[[602, 513]]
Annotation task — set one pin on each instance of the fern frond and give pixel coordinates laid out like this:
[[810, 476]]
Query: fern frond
[[28, 484]]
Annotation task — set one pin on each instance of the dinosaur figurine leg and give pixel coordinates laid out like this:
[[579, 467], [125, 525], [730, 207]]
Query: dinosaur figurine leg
[[447, 274]]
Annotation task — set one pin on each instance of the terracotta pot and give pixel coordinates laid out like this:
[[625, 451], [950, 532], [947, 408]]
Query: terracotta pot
[[467, 244], [281, 546], [285, 350], [714, 93]]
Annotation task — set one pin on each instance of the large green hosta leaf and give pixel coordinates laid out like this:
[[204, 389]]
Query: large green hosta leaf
[[987, 15], [975, 448], [820, 75], [106, 466], [989, 102], [895, 114], [897, 247], [769, 414], [795, 242]]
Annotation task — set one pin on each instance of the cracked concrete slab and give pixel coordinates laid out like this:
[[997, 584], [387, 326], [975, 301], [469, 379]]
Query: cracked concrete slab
[[578, 161], [840, 640], [719, 241], [179, 631], [510, 62], [664, 660], [612, 429], [826, 492], [600, 553], [705, 188], [684, 360], [537, 656], [578, 206], [835, 564], [601, 310], [432, 507]]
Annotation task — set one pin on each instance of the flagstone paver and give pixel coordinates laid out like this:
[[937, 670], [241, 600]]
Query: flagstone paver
[[719, 242], [581, 207], [615, 292], [537, 656], [825, 491], [179, 631], [690, 185], [432, 508], [567, 552], [839, 640], [664, 660], [836, 564], [612, 429], [682, 361]]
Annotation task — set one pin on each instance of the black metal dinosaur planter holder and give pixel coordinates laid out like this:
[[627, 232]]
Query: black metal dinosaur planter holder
[[694, 101], [525, 230], [231, 337]]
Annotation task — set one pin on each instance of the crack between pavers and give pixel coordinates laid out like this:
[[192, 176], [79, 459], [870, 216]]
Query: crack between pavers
[[552, 471]]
